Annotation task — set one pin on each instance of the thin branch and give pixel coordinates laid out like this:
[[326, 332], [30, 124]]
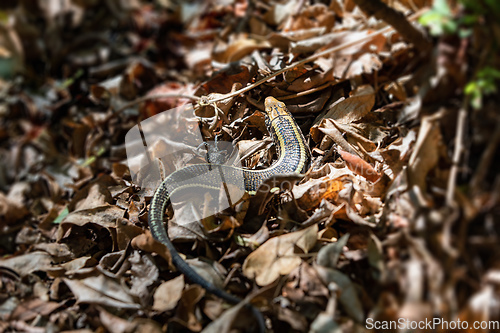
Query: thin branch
[[287, 68], [151, 97], [315, 56], [486, 160], [459, 137]]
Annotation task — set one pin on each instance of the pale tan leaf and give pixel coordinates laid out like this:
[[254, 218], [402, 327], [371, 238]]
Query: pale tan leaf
[[276, 256], [69, 267], [168, 294], [101, 290], [225, 322], [237, 49], [426, 153], [355, 107], [28, 263], [116, 324]]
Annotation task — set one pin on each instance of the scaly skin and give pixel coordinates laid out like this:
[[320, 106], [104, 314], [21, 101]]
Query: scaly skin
[[293, 156]]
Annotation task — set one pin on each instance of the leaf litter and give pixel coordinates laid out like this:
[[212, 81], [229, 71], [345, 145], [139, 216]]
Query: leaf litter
[[386, 223]]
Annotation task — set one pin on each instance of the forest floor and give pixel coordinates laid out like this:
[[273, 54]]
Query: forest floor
[[396, 219]]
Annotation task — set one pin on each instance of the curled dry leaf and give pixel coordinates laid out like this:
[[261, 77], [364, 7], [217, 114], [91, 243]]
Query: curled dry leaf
[[359, 166], [277, 257], [310, 194], [147, 243], [114, 323], [238, 48], [359, 103]]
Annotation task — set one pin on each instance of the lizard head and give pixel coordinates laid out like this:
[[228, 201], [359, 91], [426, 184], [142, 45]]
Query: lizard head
[[275, 108]]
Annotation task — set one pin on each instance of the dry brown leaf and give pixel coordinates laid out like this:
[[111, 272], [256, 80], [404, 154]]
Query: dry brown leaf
[[147, 243], [366, 64], [104, 216], [276, 256], [139, 77], [71, 267], [158, 105], [228, 320], [58, 251], [28, 263], [359, 166], [93, 195], [240, 47], [311, 193], [10, 210], [279, 12], [304, 285], [116, 324], [348, 295], [101, 290], [426, 152], [359, 103], [186, 315], [168, 294], [30, 309], [223, 81]]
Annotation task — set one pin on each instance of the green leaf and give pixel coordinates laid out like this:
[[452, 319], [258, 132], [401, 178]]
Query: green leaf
[[439, 19], [464, 33], [441, 6], [72, 79], [61, 215], [93, 158]]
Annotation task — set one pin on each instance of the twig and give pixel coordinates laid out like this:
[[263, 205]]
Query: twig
[[315, 56], [205, 101], [147, 98], [150, 97], [486, 159], [306, 92], [459, 135]]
